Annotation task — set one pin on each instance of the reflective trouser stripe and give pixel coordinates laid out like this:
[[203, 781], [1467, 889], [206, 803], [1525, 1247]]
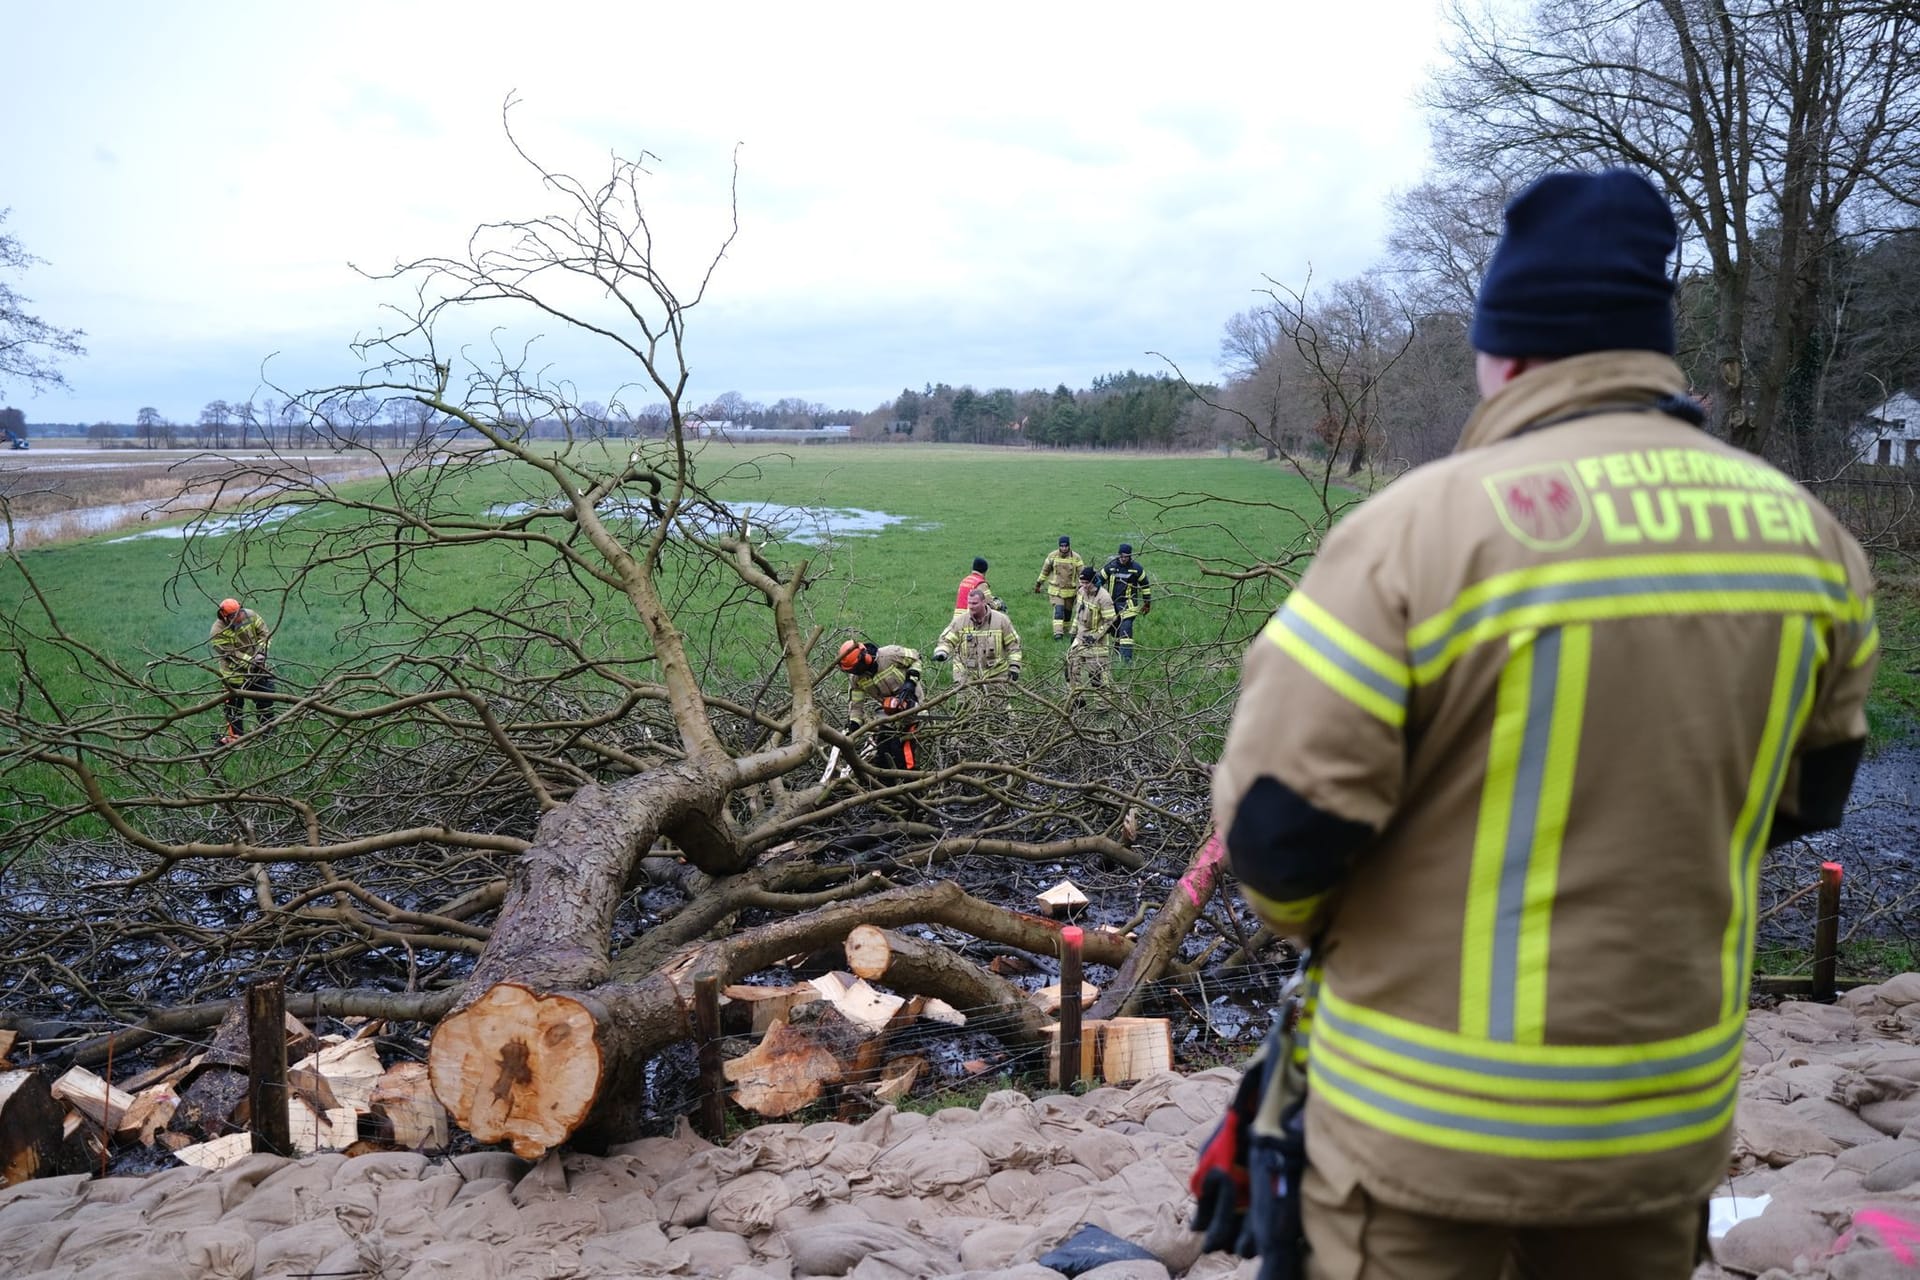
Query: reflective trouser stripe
[[1803, 650], [1539, 710]]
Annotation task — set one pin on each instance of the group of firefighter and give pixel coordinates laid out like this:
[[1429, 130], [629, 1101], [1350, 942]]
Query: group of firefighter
[[1094, 609]]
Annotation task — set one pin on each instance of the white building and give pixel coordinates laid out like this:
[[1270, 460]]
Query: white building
[[1889, 434]]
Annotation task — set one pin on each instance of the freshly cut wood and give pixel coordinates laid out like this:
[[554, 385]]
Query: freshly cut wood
[[86, 1141], [1135, 1048], [152, 1108], [783, 1073], [32, 1141], [770, 1004], [219, 1085], [300, 1039], [937, 1010], [1089, 1048], [7, 1036], [1062, 898], [311, 1130], [868, 954], [518, 1067], [311, 1085], [403, 1097], [1048, 998], [350, 1067], [217, 1153], [856, 1045], [86, 1092], [897, 1079], [174, 1073], [857, 1000]]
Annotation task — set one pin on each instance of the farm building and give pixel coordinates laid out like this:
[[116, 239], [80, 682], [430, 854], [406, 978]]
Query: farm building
[[1889, 434]]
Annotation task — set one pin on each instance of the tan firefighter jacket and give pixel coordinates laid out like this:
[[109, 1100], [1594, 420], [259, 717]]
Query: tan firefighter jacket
[[980, 653], [1514, 746], [1060, 574], [240, 645], [897, 665], [1093, 618]]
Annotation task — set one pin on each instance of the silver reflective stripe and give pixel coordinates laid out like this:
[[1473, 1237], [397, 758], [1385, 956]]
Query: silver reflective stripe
[[1523, 819], [1325, 646]]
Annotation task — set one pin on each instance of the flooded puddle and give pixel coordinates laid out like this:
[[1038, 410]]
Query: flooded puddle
[[214, 526], [766, 521]]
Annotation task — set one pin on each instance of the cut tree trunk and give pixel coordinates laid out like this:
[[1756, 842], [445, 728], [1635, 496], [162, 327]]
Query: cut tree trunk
[[33, 1142]]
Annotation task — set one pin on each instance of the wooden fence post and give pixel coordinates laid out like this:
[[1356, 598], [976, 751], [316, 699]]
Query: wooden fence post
[[1072, 938], [267, 1068], [712, 1117], [1826, 933]]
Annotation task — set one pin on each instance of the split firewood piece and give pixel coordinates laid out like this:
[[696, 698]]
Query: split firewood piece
[[350, 1068], [858, 1001], [1005, 965], [32, 1140], [1063, 899], [300, 1039], [1135, 1048], [219, 1083], [783, 1073], [7, 1037], [311, 1085], [85, 1140], [938, 1010], [856, 1043], [152, 1108], [868, 953], [403, 1097], [770, 1004], [218, 1153], [312, 1130], [173, 1073], [897, 1079], [517, 1067], [1048, 998], [86, 1092]]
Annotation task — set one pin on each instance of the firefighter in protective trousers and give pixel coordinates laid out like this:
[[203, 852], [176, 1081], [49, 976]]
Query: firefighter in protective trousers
[[1060, 578], [983, 645], [1511, 754], [1126, 581], [885, 687], [1094, 621], [239, 639]]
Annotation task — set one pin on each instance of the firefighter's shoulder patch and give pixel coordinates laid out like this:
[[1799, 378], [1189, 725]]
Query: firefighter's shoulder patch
[[1544, 506]]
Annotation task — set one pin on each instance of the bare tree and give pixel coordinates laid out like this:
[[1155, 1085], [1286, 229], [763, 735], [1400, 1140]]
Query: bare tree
[[629, 700], [30, 349], [1779, 131]]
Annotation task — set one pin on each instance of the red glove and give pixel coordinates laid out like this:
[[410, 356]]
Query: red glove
[[1219, 1181]]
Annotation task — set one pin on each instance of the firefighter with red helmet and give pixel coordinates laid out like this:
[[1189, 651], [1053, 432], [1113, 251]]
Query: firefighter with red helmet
[[885, 686], [239, 638]]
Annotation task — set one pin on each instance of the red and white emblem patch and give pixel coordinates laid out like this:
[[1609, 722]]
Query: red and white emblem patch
[[1543, 506]]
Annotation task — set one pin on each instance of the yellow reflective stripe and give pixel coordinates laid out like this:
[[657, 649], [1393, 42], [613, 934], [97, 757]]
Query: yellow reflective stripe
[[1342, 659], [1515, 1129], [1549, 834], [1481, 914], [1802, 648], [1291, 915], [1627, 586], [1597, 1085], [1866, 648]]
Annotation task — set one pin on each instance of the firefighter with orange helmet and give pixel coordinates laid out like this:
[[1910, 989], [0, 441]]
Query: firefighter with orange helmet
[[885, 684], [239, 638]]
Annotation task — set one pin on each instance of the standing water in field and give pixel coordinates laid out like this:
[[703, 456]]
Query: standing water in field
[[765, 521]]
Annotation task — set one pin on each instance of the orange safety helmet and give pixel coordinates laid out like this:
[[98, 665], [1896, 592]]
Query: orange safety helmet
[[852, 655], [229, 607]]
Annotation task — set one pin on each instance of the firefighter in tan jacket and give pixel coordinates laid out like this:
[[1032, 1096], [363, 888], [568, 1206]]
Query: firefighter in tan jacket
[[982, 643], [1059, 579], [1512, 754]]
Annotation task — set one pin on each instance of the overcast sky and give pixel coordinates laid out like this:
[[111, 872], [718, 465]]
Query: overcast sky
[[997, 195]]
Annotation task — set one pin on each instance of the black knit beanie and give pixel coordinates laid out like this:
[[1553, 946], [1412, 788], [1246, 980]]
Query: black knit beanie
[[979, 564], [1582, 266]]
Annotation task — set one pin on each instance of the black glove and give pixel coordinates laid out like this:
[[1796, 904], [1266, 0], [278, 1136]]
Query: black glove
[[853, 726], [1013, 674], [1219, 1182], [910, 693]]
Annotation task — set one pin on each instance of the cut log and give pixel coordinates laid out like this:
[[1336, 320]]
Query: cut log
[[403, 1099], [856, 1000], [219, 1084], [868, 954], [1135, 1048], [783, 1073], [32, 1140], [518, 1067], [856, 1044], [769, 1005], [1062, 899], [87, 1093], [174, 1073], [897, 1079], [938, 1010], [1047, 999]]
